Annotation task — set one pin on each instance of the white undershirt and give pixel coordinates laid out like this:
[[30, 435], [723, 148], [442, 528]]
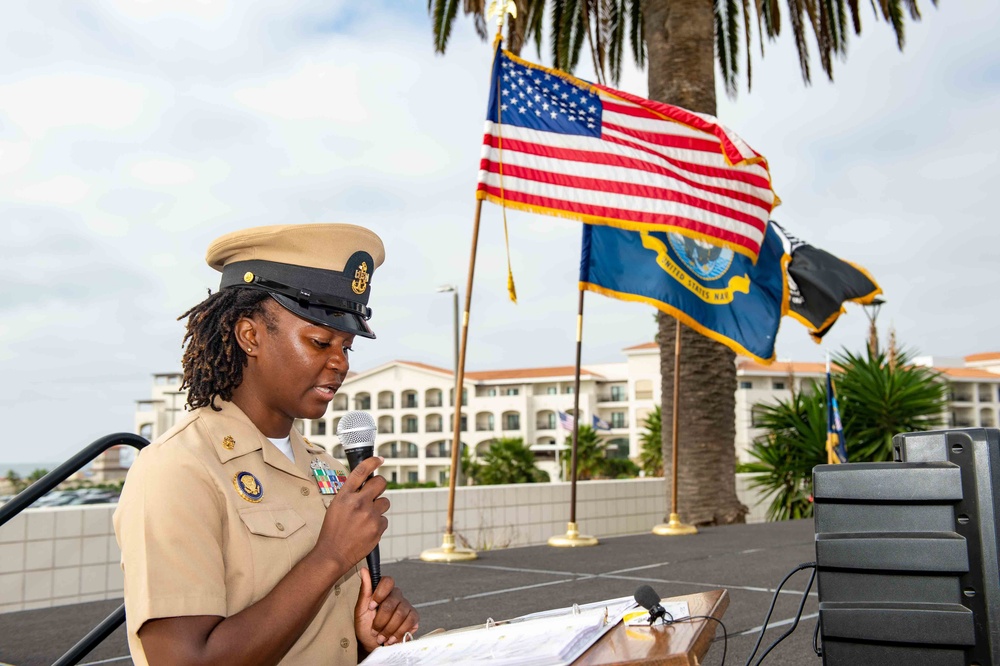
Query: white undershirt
[[285, 446]]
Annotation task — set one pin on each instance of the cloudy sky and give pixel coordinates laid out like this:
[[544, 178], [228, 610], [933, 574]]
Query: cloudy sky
[[132, 133]]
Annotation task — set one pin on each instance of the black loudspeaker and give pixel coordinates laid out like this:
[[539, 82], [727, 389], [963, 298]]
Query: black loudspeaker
[[906, 553]]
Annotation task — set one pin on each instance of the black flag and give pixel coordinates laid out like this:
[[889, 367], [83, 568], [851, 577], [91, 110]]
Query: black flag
[[819, 284]]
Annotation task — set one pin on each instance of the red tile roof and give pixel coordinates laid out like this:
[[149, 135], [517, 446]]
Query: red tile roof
[[971, 373], [985, 356], [529, 373], [782, 367]]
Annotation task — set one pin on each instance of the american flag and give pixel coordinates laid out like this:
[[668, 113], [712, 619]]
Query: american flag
[[566, 421], [558, 145]]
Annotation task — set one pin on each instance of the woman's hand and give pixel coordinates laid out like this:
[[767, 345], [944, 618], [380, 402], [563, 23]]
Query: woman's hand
[[384, 617], [355, 520]]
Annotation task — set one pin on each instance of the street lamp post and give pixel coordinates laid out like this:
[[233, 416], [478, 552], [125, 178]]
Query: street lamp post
[[444, 289], [454, 292]]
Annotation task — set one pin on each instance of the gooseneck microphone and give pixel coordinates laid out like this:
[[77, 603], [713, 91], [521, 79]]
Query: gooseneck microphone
[[356, 431], [647, 597]]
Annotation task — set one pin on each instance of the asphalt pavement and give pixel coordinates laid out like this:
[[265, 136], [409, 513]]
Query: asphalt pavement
[[747, 560]]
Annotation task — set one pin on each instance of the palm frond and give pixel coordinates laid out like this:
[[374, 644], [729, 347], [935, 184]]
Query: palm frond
[[616, 38], [443, 16], [855, 15], [637, 32], [746, 29], [795, 10]]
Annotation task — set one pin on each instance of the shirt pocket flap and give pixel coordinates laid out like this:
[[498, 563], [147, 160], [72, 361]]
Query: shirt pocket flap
[[273, 522]]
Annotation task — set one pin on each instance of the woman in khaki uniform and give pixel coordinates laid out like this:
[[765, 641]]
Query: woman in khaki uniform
[[240, 540]]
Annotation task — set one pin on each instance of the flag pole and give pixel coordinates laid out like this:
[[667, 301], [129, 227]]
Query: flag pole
[[573, 538], [674, 527], [448, 552]]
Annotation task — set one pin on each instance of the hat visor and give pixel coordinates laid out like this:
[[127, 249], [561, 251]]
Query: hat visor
[[336, 319]]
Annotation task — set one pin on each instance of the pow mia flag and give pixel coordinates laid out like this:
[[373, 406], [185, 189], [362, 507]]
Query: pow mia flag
[[819, 284]]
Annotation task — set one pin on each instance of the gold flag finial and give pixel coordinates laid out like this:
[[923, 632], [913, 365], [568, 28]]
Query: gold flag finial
[[500, 8]]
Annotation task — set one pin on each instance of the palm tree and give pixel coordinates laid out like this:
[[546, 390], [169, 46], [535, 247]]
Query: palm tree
[[681, 40], [508, 460], [794, 443], [590, 454], [651, 455]]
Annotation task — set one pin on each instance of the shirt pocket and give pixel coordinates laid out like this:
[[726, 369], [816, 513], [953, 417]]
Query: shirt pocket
[[276, 541], [276, 522]]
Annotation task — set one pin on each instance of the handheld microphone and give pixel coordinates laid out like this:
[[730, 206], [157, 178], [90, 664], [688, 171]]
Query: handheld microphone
[[356, 431], [647, 597]]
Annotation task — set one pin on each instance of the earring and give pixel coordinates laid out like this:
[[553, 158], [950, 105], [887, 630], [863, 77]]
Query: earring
[[249, 350]]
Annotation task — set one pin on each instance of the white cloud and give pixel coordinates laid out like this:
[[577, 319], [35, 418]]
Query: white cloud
[[162, 173], [42, 104]]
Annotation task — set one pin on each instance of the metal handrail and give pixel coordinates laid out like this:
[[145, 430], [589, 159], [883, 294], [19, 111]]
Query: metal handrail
[[27, 497]]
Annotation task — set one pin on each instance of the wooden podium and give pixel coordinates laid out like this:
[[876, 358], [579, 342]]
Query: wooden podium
[[681, 644]]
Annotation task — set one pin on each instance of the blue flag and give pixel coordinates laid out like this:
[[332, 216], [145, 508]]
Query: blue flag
[[601, 424], [715, 291], [836, 447]]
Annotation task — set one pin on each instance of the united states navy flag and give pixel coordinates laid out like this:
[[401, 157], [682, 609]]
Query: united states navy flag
[[717, 292]]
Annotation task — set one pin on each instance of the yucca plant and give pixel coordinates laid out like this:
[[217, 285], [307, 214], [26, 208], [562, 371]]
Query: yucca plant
[[651, 455], [794, 443], [879, 399], [880, 395]]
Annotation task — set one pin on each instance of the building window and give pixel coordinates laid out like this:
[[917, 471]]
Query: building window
[[618, 420], [778, 386], [617, 394], [756, 416], [616, 448], [568, 390], [465, 396], [510, 391], [511, 421], [409, 424], [433, 398], [411, 477], [146, 430], [491, 392], [644, 389], [385, 400], [363, 401], [319, 428], [746, 385], [393, 477], [410, 400], [546, 421], [552, 390]]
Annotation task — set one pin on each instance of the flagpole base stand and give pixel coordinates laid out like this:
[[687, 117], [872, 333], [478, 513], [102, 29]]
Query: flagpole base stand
[[448, 552], [674, 527], [572, 538]]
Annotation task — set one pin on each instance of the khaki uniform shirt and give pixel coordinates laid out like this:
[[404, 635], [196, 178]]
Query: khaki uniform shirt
[[200, 537]]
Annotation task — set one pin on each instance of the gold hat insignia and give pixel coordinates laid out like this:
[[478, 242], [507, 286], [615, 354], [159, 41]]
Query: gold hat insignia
[[361, 277]]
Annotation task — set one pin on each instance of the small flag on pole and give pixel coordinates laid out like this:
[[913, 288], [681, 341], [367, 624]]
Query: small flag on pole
[[601, 424], [558, 145], [836, 447], [566, 421]]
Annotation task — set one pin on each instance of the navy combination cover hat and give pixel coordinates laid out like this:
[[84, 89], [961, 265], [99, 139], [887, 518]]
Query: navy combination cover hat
[[320, 272]]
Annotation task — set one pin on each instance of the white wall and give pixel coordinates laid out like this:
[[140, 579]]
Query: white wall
[[64, 555]]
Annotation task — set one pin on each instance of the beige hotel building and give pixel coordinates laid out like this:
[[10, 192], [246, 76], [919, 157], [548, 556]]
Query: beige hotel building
[[412, 405]]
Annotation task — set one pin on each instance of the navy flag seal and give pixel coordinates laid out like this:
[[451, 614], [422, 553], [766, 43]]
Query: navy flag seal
[[248, 486]]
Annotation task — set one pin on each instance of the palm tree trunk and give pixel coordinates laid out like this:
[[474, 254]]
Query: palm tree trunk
[[681, 71]]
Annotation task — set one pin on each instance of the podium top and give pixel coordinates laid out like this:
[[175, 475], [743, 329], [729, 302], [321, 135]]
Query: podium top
[[680, 644]]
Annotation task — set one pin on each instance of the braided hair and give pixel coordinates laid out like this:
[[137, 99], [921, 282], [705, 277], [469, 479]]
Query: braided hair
[[213, 363]]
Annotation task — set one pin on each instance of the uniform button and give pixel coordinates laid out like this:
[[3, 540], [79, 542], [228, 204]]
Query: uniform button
[[281, 528], [304, 491], [344, 643], [336, 590]]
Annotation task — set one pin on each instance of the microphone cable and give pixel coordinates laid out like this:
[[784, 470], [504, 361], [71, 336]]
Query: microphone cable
[[725, 634], [798, 614]]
